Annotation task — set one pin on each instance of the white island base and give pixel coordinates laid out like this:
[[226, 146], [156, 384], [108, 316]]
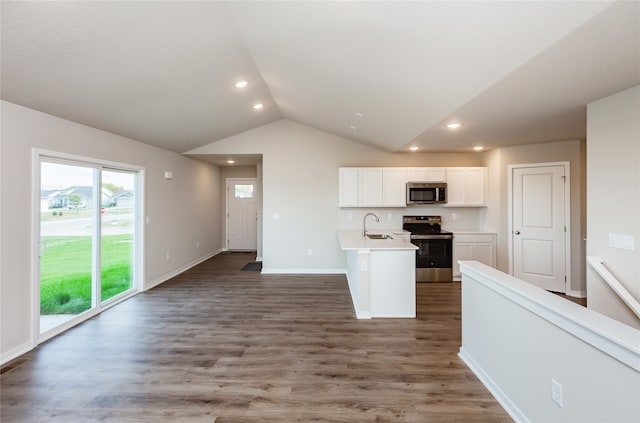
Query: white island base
[[381, 275]]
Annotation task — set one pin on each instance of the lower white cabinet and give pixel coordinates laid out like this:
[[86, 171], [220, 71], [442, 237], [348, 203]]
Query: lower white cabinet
[[473, 246]]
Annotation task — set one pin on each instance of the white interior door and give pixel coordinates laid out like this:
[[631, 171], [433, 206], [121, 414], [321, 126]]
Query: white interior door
[[539, 226], [242, 214]]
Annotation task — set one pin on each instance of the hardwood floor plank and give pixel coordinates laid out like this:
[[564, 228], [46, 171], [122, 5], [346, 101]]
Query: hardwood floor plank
[[217, 344]]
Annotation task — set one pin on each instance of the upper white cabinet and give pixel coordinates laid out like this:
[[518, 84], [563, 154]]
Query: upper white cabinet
[[426, 174], [394, 193], [466, 186], [369, 186], [372, 187], [348, 189], [386, 186]]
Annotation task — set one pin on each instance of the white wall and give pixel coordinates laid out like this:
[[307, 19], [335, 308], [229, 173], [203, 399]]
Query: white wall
[[517, 337], [497, 213], [300, 191], [182, 211], [613, 197]]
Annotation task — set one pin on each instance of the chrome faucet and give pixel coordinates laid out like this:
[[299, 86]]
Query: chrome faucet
[[364, 223]]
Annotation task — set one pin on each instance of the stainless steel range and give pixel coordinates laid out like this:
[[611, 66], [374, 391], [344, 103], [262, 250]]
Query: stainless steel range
[[434, 257]]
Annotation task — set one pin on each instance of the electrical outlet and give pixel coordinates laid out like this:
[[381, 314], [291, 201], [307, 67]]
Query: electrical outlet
[[168, 256], [389, 216], [197, 244], [454, 216], [309, 252], [556, 392]]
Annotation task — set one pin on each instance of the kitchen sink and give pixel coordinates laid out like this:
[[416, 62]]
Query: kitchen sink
[[379, 236]]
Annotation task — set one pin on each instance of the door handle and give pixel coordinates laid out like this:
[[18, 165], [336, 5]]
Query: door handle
[[517, 232]]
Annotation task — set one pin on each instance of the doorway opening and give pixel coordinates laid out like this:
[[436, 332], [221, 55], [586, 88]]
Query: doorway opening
[[88, 236]]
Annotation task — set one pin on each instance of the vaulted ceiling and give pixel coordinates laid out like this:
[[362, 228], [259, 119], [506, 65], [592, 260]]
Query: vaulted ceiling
[[387, 74]]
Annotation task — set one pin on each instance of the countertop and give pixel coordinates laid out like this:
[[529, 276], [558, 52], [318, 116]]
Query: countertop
[[469, 231], [351, 239]]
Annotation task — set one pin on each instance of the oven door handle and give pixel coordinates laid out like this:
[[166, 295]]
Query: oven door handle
[[431, 236]]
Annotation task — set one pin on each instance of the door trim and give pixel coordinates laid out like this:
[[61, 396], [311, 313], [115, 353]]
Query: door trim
[[567, 214], [37, 155], [228, 183]]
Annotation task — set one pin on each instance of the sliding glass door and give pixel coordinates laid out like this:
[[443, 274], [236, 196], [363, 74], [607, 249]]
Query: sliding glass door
[[88, 240], [117, 234]]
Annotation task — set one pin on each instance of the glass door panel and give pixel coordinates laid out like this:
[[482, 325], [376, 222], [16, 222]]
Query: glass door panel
[[66, 248], [88, 240], [118, 205]]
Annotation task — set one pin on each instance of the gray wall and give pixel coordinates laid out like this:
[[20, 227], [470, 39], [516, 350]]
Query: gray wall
[[182, 211], [498, 162], [613, 193], [300, 191], [517, 338]]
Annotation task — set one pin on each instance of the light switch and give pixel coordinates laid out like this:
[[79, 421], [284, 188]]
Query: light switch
[[621, 241]]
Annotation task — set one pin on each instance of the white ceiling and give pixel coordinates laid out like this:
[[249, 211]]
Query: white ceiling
[[163, 72]]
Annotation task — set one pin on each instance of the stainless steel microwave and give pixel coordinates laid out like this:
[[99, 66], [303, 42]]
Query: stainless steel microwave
[[426, 192]]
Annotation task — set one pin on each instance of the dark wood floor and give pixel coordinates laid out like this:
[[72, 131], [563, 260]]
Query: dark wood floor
[[217, 344]]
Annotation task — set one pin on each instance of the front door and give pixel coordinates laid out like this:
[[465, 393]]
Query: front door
[[242, 214], [539, 225]]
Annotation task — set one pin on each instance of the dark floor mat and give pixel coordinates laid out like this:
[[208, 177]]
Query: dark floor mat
[[255, 266]]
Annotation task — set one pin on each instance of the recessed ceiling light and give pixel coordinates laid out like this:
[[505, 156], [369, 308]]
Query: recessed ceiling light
[[241, 84], [478, 148], [231, 161], [359, 114], [258, 106], [355, 128], [454, 125], [413, 148]]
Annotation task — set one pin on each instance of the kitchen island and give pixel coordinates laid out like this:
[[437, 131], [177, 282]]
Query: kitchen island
[[381, 273]]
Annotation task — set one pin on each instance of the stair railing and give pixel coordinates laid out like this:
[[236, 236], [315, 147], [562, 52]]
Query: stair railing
[[598, 265]]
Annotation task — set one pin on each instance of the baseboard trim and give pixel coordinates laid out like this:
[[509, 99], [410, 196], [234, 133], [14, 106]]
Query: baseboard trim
[[16, 352], [577, 294], [175, 273], [304, 271], [492, 387]]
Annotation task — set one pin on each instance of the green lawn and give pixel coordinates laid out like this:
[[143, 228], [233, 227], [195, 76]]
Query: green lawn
[[67, 214], [65, 272]]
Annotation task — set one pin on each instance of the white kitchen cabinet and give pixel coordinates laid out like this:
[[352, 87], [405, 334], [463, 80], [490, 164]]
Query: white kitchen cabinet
[[473, 246], [369, 186], [372, 187], [394, 193], [386, 187], [466, 186], [426, 174], [348, 187]]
